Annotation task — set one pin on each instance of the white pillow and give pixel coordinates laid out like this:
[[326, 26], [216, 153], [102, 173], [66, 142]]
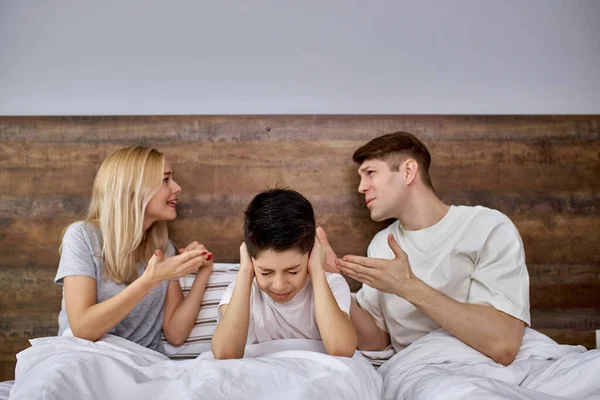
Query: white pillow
[[200, 337]]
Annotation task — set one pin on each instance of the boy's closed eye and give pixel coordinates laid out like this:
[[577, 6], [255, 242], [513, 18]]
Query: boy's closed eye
[[291, 270], [270, 272]]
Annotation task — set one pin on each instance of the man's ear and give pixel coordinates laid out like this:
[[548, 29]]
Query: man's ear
[[411, 170]]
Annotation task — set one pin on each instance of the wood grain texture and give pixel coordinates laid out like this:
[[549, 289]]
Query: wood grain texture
[[541, 171], [561, 239]]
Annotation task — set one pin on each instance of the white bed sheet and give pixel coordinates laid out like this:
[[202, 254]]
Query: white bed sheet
[[5, 389], [439, 366], [114, 368]]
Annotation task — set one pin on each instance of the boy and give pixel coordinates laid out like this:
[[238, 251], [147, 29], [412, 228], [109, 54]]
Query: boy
[[282, 290]]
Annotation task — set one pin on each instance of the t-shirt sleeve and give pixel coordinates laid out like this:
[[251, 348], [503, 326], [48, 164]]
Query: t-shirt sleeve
[[76, 254], [500, 278], [340, 290], [225, 299], [367, 298]]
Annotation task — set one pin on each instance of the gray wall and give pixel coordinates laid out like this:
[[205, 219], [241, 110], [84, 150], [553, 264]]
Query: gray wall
[[299, 57]]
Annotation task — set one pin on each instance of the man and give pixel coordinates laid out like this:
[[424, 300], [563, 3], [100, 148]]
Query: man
[[456, 267]]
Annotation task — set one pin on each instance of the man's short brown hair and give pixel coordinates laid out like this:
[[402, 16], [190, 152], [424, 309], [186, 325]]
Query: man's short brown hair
[[394, 148]]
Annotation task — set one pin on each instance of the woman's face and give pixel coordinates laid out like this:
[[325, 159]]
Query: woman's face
[[163, 206]]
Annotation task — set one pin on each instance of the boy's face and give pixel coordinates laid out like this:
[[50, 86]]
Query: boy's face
[[281, 274]]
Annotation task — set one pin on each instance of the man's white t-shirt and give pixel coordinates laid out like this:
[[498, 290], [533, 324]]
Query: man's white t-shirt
[[295, 319], [473, 255]]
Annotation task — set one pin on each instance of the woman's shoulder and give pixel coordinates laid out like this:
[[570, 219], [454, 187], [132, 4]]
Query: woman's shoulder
[[81, 233]]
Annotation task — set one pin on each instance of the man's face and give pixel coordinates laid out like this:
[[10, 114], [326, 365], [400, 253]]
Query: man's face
[[281, 274], [382, 187]]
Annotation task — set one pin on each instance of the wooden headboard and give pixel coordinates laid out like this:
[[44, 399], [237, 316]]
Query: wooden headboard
[[542, 171]]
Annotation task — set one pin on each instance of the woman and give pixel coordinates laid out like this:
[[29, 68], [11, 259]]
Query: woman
[[119, 269]]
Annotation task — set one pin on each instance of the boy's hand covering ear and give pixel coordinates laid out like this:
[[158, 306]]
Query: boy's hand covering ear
[[317, 258], [329, 264], [246, 263]]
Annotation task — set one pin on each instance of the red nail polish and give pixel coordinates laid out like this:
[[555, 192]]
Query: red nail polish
[[209, 257], [203, 253]]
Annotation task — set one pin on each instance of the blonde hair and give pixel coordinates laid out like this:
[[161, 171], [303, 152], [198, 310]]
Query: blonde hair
[[125, 183]]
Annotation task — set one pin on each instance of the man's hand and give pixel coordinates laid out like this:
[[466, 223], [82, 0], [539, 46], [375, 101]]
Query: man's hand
[[329, 264], [390, 276]]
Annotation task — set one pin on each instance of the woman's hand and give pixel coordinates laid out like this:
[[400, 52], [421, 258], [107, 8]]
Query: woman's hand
[[160, 269], [206, 266]]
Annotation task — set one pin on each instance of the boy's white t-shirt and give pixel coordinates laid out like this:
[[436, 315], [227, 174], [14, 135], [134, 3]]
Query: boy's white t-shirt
[[294, 319], [473, 255]]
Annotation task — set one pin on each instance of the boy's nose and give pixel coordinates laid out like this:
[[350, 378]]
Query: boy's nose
[[278, 284]]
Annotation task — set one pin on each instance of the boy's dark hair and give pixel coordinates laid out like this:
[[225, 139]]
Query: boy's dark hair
[[394, 148], [279, 220]]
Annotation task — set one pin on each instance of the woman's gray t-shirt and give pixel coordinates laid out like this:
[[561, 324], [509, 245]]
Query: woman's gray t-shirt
[[81, 255]]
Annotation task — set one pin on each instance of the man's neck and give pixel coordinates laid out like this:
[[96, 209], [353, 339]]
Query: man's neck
[[423, 210]]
